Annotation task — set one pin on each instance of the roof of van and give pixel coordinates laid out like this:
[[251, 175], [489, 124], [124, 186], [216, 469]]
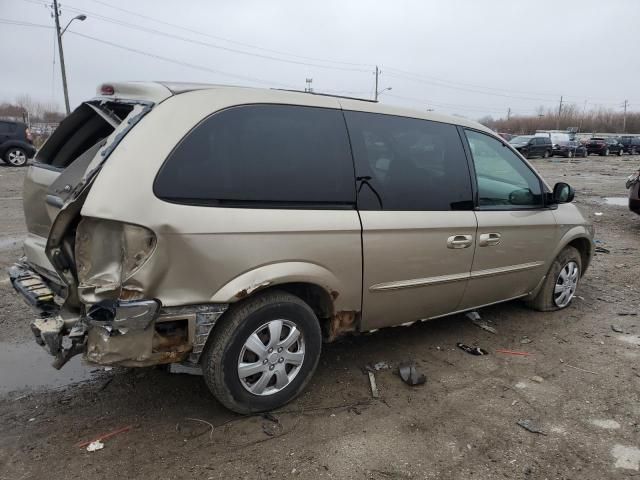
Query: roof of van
[[158, 91]]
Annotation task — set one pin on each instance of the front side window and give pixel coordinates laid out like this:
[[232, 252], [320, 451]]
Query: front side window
[[263, 155], [505, 182], [408, 164]]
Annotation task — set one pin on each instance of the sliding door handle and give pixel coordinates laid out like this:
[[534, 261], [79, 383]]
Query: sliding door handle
[[488, 239], [459, 241]]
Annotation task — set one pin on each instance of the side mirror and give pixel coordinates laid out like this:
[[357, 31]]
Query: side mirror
[[563, 193]]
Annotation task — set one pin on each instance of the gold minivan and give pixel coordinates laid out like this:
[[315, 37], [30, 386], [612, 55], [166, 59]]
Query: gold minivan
[[236, 229]]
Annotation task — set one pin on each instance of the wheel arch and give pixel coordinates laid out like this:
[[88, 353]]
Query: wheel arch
[[580, 239]]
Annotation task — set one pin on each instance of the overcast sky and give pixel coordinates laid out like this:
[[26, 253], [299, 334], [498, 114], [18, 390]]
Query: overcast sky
[[464, 57]]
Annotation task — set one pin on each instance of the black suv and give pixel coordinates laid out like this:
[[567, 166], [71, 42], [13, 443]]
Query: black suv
[[630, 145], [604, 146], [16, 146], [530, 146]]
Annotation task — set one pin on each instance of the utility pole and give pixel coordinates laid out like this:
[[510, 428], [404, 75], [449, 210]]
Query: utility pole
[[509, 114], [376, 89], [56, 14], [559, 113], [308, 88], [624, 118]]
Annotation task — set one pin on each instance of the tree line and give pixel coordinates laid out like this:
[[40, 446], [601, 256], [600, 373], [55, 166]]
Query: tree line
[[26, 109], [600, 120]]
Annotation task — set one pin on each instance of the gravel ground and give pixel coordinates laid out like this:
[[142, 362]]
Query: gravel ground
[[580, 387]]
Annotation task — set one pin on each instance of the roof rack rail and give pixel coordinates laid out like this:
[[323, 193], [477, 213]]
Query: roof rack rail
[[325, 94]]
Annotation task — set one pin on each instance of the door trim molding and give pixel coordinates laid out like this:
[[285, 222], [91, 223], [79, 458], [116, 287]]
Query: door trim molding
[[455, 277]]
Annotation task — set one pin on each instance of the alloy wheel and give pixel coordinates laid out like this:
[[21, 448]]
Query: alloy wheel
[[566, 284], [271, 357], [16, 157]]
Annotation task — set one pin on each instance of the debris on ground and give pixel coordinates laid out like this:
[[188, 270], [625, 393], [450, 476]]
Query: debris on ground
[[598, 214], [524, 340], [472, 350], [513, 352], [581, 369], [374, 388], [602, 250], [617, 328], [381, 366], [476, 320], [530, 426], [105, 436], [410, 375], [624, 314], [537, 379], [272, 425], [96, 445]]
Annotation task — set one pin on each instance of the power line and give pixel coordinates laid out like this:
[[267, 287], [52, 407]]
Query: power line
[[8, 21], [179, 62], [200, 42], [243, 44]]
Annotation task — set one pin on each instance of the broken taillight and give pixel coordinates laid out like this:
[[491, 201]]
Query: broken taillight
[[107, 254]]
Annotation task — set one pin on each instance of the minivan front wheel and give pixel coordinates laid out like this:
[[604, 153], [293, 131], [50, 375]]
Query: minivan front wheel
[[561, 283], [262, 353]]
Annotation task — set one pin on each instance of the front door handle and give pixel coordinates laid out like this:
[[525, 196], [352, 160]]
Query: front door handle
[[489, 239], [459, 241]]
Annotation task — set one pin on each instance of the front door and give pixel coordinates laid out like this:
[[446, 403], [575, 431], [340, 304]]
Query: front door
[[418, 226], [516, 232]]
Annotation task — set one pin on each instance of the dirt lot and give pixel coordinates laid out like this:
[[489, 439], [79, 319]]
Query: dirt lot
[[580, 386]]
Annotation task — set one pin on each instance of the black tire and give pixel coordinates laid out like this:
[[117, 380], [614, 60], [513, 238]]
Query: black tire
[[544, 300], [16, 157], [546, 154], [605, 153], [633, 151], [569, 154], [222, 353], [620, 152], [584, 154]]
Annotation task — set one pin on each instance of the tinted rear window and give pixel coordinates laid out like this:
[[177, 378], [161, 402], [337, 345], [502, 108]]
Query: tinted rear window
[[408, 164], [264, 155]]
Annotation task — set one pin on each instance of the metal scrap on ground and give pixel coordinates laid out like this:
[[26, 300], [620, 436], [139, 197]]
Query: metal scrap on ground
[[410, 375]]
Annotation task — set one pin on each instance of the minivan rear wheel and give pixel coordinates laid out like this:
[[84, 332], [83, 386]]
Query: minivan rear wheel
[[262, 353], [561, 283]]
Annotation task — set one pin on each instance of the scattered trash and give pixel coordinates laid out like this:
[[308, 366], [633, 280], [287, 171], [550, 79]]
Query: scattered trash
[[205, 422], [581, 369], [524, 340], [96, 445], [602, 250], [381, 366], [475, 319], [617, 328], [472, 350], [105, 436], [624, 314], [473, 315], [513, 352], [374, 387], [108, 369], [33, 419], [530, 426], [537, 379], [410, 375], [598, 214], [514, 403]]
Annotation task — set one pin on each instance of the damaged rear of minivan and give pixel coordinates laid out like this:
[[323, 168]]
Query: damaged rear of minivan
[[77, 271]]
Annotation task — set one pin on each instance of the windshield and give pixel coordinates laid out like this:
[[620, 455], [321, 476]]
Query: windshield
[[521, 139]]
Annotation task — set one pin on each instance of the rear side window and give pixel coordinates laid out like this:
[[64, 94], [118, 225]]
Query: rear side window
[[408, 164], [263, 155]]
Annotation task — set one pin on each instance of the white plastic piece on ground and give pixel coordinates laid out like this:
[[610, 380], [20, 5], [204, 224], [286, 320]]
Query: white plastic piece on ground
[[626, 457], [93, 446]]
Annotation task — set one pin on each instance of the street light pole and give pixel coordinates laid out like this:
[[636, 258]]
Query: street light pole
[[56, 15]]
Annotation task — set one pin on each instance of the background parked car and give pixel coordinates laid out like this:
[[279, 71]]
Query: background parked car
[[569, 149], [532, 146], [16, 145], [633, 184], [630, 145], [604, 146]]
